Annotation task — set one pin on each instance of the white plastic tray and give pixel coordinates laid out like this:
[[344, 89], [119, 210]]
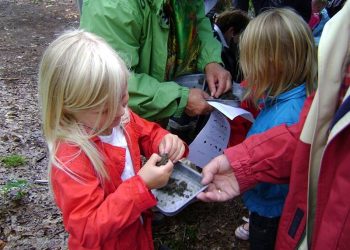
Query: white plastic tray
[[171, 203]]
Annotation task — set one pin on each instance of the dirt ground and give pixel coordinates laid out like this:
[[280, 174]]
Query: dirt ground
[[26, 28]]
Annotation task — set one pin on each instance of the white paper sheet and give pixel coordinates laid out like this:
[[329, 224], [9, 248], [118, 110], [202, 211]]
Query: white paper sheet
[[211, 140], [231, 112]]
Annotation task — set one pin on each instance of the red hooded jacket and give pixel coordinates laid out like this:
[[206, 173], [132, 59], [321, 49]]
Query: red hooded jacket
[[115, 214]]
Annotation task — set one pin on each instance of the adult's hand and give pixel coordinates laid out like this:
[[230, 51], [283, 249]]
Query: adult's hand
[[219, 80], [221, 181], [196, 103]]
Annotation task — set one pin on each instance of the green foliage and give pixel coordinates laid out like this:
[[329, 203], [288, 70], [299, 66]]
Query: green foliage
[[13, 160], [191, 233], [15, 189], [183, 236]]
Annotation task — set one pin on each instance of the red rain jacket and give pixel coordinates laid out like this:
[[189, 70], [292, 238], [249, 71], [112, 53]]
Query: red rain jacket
[[108, 216]]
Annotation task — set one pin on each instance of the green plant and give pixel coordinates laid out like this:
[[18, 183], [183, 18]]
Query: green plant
[[13, 160], [191, 232], [15, 189], [183, 236]]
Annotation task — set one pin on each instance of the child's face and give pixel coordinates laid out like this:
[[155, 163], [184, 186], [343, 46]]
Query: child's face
[[90, 116]]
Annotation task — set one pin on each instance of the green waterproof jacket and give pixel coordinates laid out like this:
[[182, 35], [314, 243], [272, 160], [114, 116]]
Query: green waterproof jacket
[[137, 31]]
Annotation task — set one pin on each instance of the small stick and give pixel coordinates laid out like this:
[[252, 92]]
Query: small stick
[[41, 182], [8, 78]]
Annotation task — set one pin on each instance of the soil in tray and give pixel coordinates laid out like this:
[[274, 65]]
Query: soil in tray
[[175, 187]]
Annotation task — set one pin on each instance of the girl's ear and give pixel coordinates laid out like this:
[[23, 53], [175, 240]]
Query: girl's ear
[[67, 113]]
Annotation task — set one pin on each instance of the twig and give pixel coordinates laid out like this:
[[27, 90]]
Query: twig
[[8, 78], [41, 182], [41, 158], [57, 233]]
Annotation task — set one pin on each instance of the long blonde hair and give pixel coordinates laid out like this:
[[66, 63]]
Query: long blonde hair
[[79, 71], [277, 53]]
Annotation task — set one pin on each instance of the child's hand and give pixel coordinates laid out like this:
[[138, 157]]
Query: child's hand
[[154, 176], [173, 146]]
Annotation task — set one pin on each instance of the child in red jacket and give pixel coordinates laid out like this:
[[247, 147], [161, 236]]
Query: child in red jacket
[[312, 156], [95, 144]]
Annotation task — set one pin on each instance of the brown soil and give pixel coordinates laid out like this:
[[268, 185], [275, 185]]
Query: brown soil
[[34, 222]]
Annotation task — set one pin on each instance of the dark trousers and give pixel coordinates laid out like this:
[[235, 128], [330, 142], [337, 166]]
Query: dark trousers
[[262, 232]]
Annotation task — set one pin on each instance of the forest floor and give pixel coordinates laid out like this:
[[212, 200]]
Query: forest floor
[[33, 221]]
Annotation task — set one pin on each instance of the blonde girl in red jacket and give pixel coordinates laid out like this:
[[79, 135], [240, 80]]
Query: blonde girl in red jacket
[[95, 144]]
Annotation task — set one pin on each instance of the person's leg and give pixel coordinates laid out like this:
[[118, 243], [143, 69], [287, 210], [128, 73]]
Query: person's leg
[[262, 232]]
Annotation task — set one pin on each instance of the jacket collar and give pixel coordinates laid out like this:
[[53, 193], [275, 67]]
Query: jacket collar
[[290, 94]]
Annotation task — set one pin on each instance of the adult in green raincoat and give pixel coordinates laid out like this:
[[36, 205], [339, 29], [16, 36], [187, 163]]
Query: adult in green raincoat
[[161, 40]]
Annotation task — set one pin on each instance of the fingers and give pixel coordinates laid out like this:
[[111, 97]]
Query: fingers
[[213, 194], [173, 146], [207, 176], [224, 85], [205, 95], [166, 146], [211, 84], [168, 167], [165, 174], [221, 181], [177, 153], [177, 148], [224, 82], [228, 84], [163, 146], [154, 159], [216, 196], [209, 171], [196, 104], [154, 176], [203, 197], [219, 80]]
